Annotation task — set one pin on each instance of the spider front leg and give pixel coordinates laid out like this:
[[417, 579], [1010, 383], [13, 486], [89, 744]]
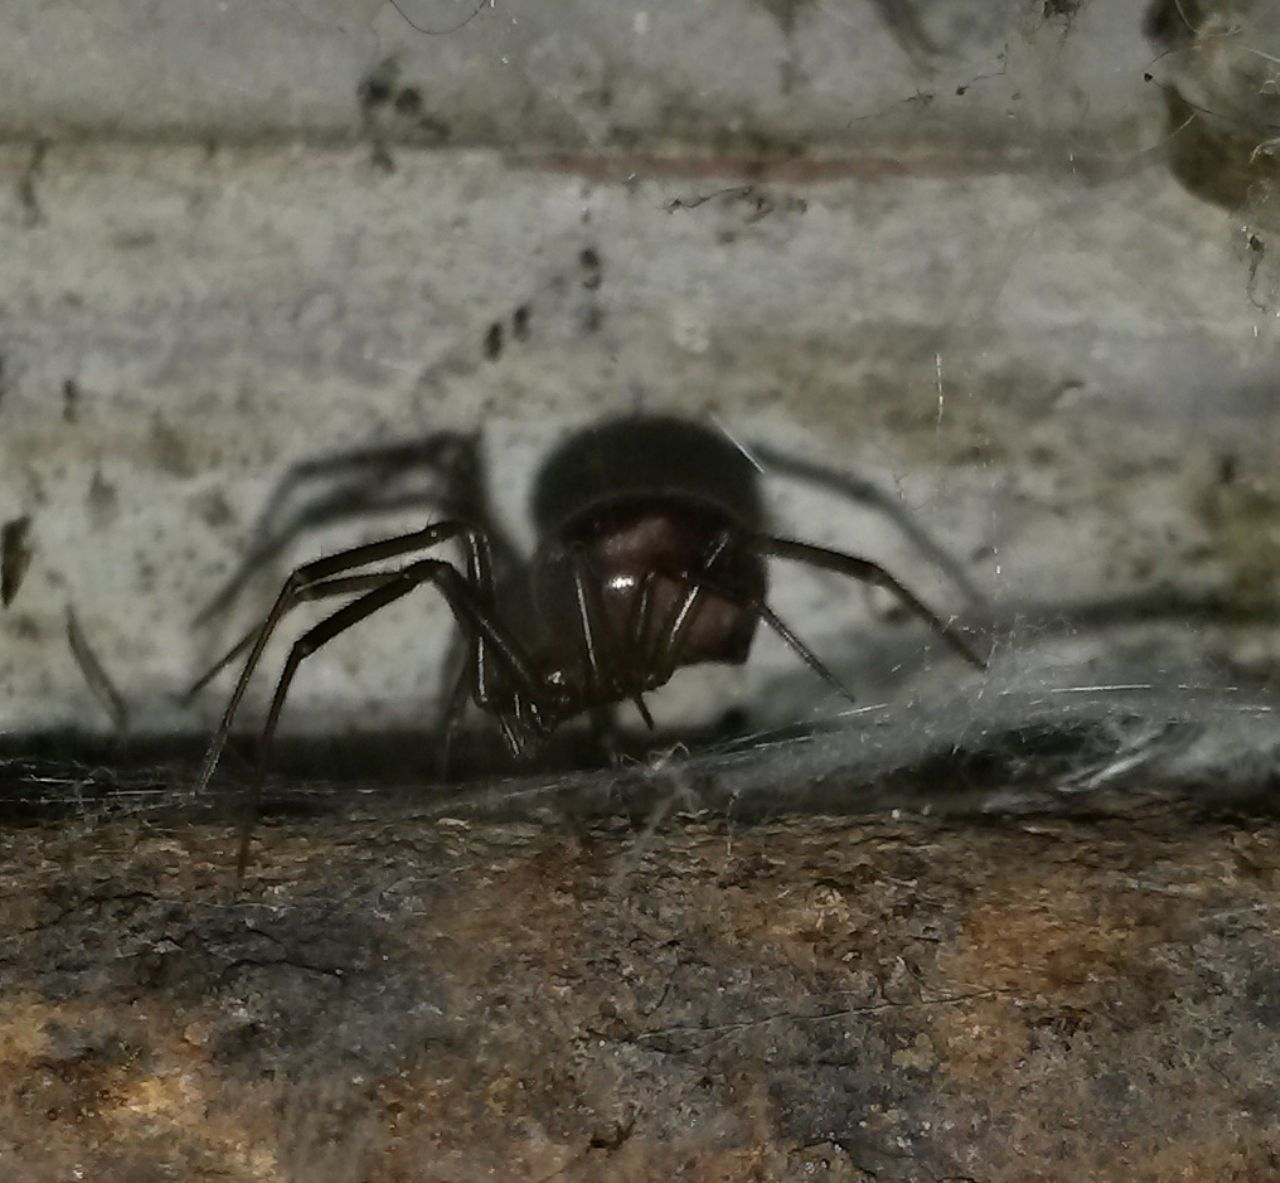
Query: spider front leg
[[475, 678], [698, 585], [865, 492], [868, 572], [387, 587], [362, 482], [470, 613], [316, 580]]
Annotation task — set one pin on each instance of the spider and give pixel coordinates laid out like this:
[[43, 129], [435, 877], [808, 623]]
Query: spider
[[651, 556]]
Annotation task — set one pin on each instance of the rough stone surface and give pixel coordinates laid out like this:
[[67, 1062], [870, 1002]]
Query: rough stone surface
[[813, 998], [605, 76], [1065, 382]]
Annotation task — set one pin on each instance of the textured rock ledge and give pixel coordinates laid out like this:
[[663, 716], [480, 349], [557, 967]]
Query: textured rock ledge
[[900, 998]]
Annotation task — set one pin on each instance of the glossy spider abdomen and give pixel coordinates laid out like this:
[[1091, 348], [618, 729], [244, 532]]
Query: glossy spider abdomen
[[635, 587]]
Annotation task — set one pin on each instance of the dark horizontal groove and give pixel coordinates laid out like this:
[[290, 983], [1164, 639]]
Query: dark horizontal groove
[[1025, 770], [68, 772], [185, 136], [817, 161]]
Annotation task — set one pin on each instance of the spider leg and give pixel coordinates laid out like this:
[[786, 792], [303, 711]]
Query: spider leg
[[858, 489], [321, 589], [455, 709], [294, 592], [507, 725], [480, 576], [478, 673], [643, 709], [628, 651], [597, 644], [664, 656], [460, 597], [343, 502], [477, 681], [800, 649], [867, 571], [610, 660], [607, 655], [472, 668], [641, 616], [776, 623], [363, 474]]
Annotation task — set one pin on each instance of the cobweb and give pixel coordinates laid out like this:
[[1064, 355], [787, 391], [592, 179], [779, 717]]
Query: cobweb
[[1026, 742]]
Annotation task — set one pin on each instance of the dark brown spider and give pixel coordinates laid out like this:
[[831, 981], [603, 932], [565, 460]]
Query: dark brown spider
[[651, 556]]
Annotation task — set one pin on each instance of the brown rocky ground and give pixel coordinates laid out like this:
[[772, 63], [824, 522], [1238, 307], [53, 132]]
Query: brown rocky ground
[[901, 998]]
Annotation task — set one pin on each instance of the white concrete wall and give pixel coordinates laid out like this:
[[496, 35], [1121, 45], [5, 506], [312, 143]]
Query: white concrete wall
[[580, 74], [940, 249]]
